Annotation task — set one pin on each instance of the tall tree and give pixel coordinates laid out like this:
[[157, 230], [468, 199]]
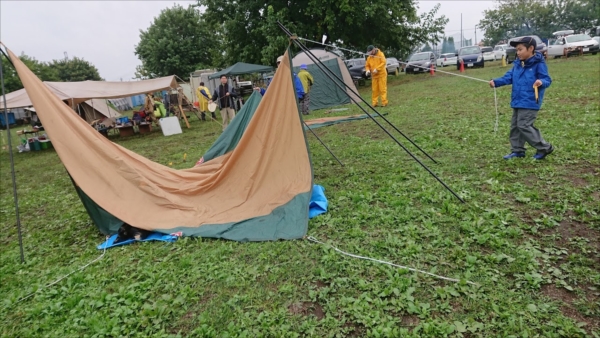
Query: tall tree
[[251, 33], [41, 69], [75, 69], [178, 42], [427, 48], [451, 47], [513, 18]]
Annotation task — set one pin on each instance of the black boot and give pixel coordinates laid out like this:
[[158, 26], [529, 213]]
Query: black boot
[[203, 116], [214, 116]]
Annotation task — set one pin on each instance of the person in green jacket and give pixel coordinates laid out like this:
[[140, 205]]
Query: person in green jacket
[[307, 82]]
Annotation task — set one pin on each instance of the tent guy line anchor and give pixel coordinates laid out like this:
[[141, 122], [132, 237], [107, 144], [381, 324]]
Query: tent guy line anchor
[[12, 160], [328, 73]]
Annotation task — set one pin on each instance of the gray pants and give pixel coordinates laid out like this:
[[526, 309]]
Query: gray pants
[[227, 114], [522, 130], [305, 104]]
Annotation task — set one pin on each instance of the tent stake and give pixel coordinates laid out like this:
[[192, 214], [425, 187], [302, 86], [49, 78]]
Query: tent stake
[[12, 163], [323, 143], [327, 72]]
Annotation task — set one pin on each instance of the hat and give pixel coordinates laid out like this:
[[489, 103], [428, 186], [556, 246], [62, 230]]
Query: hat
[[526, 40], [370, 48], [279, 59], [303, 66]]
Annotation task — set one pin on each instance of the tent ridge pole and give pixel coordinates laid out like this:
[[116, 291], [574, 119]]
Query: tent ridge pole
[[12, 162]]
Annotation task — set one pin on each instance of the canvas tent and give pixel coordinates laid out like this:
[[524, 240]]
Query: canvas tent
[[324, 93], [258, 188], [95, 109], [78, 92], [241, 68]]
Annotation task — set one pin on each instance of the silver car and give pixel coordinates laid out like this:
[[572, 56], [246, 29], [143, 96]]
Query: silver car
[[393, 66], [446, 59], [500, 51], [571, 44]]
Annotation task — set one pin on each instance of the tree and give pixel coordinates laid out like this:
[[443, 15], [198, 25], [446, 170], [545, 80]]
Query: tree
[[513, 18], [178, 42], [11, 78], [75, 69], [427, 48], [251, 33], [451, 47]]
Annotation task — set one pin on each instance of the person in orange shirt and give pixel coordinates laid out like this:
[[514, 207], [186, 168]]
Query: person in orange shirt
[[376, 68]]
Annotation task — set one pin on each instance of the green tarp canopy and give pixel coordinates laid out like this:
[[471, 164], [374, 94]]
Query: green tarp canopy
[[241, 68]]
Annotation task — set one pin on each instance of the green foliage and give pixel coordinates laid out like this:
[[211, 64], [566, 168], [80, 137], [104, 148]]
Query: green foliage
[[513, 18], [427, 48], [528, 234], [75, 69], [178, 42], [252, 35], [64, 70]]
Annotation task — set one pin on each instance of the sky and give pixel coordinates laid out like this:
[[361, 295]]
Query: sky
[[105, 33]]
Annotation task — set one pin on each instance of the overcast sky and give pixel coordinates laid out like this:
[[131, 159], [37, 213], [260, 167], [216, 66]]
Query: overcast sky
[[106, 32]]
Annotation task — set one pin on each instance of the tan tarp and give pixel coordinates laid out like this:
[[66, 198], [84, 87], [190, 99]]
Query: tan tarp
[[77, 92], [269, 166]]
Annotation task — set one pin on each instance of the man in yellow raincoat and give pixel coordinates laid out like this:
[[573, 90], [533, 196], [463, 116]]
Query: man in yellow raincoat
[[203, 95], [376, 68]]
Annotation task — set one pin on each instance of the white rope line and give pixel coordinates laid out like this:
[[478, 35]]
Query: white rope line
[[312, 239], [406, 63], [61, 278]]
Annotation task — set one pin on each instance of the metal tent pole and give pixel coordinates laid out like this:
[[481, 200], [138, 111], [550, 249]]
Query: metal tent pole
[[12, 163], [329, 74]]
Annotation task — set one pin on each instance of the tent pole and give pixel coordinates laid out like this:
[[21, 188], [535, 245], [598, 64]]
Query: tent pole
[[323, 143], [327, 72], [12, 164]]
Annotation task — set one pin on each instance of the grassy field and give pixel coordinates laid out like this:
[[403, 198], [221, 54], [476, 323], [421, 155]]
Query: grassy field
[[529, 234]]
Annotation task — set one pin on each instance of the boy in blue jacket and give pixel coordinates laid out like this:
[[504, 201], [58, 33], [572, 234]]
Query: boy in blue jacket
[[297, 84], [525, 75]]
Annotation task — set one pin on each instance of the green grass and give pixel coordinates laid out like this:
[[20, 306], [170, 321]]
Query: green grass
[[529, 233]]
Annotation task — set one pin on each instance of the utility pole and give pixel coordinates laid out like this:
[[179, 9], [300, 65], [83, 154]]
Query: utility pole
[[476, 42]]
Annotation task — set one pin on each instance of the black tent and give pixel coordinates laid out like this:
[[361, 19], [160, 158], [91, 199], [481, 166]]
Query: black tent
[[241, 68]]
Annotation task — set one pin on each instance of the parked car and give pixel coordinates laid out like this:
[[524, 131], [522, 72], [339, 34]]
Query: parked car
[[446, 59], [356, 67], [420, 63], [500, 51], [393, 66], [471, 56], [570, 44], [597, 38], [488, 54], [511, 52]]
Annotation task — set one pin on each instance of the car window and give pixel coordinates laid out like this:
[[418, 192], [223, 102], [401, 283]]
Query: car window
[[486, 49], [469, 50], [420, 57], [578, 38]]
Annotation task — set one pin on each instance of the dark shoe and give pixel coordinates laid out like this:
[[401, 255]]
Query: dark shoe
[[540, 155], [203, 116], [514, 155]]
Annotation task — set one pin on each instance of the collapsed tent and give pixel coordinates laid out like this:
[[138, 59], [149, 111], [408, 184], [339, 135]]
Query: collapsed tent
[[259, 190], [241, 68], [77, 92], [330, 121], [324, 93]]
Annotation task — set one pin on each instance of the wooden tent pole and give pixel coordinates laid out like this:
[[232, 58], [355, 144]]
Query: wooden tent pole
[[179, 100]]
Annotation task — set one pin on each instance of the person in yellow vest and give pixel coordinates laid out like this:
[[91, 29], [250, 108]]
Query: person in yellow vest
[[203, 95], [376, 68]]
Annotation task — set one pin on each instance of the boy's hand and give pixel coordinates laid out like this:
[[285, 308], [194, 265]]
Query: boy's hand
[[537, 83], [492, 84]]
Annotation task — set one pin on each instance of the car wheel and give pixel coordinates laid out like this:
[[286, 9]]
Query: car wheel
[[594, 53]]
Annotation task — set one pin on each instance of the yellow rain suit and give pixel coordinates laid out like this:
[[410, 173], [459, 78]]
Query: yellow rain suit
[[379, 78], [203, 99]]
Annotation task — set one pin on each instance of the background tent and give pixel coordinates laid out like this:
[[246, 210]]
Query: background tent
[[78, 92], [96, 109], [241, 68], [324, 93]]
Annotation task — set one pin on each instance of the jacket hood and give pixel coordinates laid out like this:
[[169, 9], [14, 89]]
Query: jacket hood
[[536, 58]]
